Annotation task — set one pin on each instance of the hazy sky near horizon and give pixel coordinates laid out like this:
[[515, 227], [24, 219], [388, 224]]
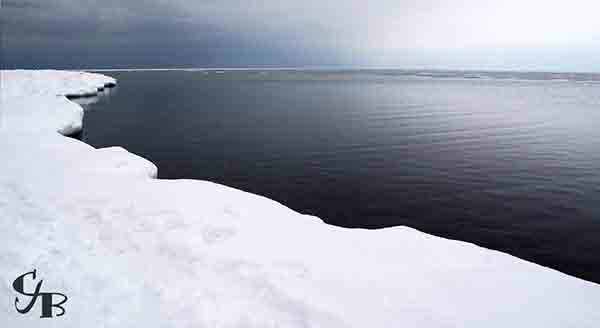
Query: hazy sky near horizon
[[459, 34]]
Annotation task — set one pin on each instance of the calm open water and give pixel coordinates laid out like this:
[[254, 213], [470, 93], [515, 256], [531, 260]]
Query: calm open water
[[508, 161]]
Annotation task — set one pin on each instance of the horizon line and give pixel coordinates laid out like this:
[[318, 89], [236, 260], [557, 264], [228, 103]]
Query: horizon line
[[311, 68], [325, 68]]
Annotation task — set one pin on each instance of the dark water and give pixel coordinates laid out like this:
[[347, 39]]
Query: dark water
[[508, 161]]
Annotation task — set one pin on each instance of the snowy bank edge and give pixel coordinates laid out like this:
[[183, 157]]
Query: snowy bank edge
[[96, 82]]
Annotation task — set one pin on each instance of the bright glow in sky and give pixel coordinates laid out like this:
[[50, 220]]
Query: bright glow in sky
[[508, 23]]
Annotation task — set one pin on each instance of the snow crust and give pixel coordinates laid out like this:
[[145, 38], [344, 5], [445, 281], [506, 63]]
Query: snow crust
[[133, 251]]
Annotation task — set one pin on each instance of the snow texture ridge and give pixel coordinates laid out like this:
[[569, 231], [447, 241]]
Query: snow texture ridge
[[133, 251]]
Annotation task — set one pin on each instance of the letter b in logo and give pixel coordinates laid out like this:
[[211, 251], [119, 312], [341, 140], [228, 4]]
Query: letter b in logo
[[47, 298]]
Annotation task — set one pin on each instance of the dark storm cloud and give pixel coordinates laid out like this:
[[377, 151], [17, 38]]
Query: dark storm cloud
[[20, 4], [428, 33], [140, 33]]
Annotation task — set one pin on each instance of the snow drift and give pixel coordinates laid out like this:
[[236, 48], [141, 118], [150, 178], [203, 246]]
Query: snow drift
[[133, 251]]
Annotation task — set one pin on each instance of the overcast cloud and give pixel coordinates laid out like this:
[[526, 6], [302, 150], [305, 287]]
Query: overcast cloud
[[471, 34]]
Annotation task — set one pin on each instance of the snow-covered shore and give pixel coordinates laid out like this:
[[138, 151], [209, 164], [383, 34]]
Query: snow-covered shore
[[133, 251]]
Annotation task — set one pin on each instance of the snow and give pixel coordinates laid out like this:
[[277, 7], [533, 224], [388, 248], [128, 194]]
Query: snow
[[133, 251]]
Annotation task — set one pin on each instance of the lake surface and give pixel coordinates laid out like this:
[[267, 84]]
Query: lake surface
[[509, 161]]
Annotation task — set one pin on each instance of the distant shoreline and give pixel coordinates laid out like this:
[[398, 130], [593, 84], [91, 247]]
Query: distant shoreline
[[426, 73], [331, 68]]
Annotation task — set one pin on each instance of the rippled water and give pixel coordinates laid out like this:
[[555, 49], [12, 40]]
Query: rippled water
[[508, 161]]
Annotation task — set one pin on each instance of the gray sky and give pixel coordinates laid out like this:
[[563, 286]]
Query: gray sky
[[547, 35]]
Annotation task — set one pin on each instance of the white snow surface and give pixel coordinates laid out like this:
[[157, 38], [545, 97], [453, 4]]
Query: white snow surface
[[130, 250]]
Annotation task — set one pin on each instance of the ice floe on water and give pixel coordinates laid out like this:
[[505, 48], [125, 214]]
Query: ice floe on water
[[133, 251]]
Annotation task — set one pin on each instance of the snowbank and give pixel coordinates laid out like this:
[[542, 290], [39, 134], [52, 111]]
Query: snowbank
[[132, 251]]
